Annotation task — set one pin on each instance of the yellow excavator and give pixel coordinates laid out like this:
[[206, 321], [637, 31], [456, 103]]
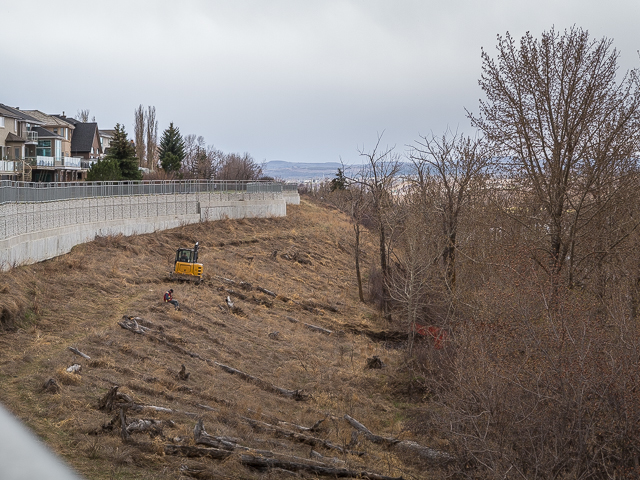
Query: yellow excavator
[[186, 266]]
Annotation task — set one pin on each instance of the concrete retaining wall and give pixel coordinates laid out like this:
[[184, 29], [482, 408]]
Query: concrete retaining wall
[[292, 198], [32, 232]]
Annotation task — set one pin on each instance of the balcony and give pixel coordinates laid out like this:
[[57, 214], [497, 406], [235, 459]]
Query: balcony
[[87, 164], [68, 163], [8, 166], [32, 137]]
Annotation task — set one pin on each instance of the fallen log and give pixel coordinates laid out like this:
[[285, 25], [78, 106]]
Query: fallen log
[[187, 451], [301, 428], [298, 437], [131, 324], [114, 399], [78, 352], [228, 280], [201, 437], [264, 463], [268, 292], [320, 457], [233, 293], [426, 453], [311, 327], [297, 395], [139, 407]]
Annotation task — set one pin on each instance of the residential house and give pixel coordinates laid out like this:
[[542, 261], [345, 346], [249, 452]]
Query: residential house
[[85, 142], [54, 161], [106, 136], [57, 126], [18, 142]]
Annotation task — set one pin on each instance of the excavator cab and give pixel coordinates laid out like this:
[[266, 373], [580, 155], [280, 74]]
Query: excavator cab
[[186, 266]]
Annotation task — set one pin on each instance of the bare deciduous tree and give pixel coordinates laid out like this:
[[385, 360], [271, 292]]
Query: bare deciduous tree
[[568, 130], [353, 199], [239, 167], [201, 160], [83, 115], [193, 145], [378, 176], [449, 170]]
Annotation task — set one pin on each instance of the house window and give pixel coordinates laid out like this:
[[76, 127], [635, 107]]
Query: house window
[[44, 148], [55, 130], [1, 122]]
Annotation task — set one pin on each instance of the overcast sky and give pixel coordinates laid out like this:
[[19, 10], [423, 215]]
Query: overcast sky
[[293, 80]]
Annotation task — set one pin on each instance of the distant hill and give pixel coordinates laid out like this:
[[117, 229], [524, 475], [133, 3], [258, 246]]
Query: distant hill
[[300, 171]]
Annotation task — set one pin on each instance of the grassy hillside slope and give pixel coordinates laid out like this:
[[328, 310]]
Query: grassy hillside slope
[[306, 259]]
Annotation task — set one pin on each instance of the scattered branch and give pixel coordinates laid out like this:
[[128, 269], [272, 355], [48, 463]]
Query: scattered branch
[[311, 327], [294, 394], [78, 352]]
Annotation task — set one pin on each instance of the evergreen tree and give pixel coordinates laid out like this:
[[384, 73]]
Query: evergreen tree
[[171, 149], [104, 170], [340, 182], [123, 151]]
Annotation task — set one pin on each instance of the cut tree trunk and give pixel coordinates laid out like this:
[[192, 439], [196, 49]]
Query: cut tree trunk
[[426, 453]]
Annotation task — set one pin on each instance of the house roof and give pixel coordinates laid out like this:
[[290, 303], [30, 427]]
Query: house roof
[[107, 133], [7, 113], [64, 118], [48, 119], [44, 133], [83, 136], [12, 137], [18, 114]]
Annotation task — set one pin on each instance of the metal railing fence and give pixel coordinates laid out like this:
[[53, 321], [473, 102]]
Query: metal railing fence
[[11, 191]]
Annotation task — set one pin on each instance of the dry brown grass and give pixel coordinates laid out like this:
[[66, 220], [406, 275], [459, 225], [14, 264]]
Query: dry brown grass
[[77, 300]]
